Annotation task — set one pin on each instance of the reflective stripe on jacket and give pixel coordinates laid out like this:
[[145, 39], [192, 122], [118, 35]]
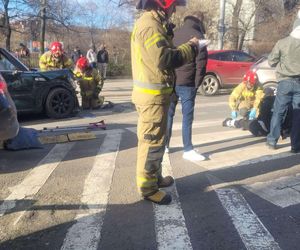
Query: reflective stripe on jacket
[[48, 62], [242, 94], [154, 58]]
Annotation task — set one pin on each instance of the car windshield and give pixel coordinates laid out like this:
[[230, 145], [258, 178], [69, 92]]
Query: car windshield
[[5, 64], [261, 59]]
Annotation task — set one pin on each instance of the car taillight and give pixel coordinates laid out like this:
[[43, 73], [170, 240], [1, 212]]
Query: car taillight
[[2, 87], [4, 104]]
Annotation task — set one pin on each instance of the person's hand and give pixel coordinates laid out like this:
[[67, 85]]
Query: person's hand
[[252, 114], [234, 115], [194, 41]]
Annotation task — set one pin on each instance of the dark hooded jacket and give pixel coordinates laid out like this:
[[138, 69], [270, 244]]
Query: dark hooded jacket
[[191, 74]]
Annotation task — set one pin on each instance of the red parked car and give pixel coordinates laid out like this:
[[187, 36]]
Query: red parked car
[[225, 69]]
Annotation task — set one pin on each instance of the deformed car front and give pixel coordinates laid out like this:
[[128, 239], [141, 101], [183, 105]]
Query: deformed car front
[[52, 92]]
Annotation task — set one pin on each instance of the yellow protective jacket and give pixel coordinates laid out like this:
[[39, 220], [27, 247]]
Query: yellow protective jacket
[[154, 59], [90, 82], [49, 62], [252, 97]]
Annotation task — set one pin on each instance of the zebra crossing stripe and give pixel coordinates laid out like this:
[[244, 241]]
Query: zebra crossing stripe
[[251, 230], [171, 231], [86, 232], [36, 178]]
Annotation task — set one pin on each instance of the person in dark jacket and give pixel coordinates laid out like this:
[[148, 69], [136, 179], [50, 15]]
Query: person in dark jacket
[[102, 59], [189, 78], [76, 54]]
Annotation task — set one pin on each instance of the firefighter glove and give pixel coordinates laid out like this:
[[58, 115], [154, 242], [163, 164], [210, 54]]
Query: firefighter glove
[[252, 114], [234, 114]]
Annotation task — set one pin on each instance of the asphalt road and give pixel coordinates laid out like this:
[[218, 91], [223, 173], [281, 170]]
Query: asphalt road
[[82, 194]]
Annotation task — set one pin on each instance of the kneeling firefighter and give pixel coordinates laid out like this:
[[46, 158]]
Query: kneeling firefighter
[[90, 84], [246, 97], [154, 59]]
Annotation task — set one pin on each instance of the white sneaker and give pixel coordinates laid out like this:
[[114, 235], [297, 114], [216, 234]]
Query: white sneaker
[[193, 155], [167, 150]]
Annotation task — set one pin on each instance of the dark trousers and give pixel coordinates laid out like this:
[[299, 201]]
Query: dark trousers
[[288, 92], [187, 96]]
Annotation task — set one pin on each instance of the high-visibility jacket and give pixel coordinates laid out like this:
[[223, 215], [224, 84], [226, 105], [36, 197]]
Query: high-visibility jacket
[[241, 93], [154, 58], [49, 62], [90, 82]]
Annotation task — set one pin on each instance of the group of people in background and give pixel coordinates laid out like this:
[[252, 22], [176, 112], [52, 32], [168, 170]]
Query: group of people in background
[[96, 59], [89, 78]]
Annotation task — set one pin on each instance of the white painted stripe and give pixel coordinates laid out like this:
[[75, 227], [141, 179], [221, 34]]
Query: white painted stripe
[[36, 178], [171, 231], [251, 230], [282, 192], [86, 232]]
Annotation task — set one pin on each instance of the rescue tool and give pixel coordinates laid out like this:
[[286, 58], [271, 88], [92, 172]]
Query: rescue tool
[[90, 126]]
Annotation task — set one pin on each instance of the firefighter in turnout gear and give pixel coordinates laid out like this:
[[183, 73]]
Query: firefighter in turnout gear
[[55, 58], [154, 59], [246, 97], [90, 84]]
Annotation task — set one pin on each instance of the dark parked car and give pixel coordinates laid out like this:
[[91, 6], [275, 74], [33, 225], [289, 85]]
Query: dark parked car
[[52, 92], [225, 69]]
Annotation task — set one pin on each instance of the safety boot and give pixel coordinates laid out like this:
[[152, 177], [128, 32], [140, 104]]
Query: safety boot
[[160, 198], [165, 181]]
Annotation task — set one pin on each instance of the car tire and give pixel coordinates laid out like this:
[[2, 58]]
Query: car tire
[[272, 85], [59, 103], [209, 86]]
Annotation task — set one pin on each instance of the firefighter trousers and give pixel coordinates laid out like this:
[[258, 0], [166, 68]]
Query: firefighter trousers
[[151, 133]]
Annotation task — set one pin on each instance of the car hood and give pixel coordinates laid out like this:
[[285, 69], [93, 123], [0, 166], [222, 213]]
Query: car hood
[[57, 74]]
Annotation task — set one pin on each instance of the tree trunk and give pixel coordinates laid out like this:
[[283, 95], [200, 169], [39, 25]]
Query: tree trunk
[[7, 28], [234, 40], [43, 25]]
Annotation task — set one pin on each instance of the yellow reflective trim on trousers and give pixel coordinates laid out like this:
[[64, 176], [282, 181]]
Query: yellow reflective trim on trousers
[[145, 182], [87, 78], [154, 91], [154, 42], [154, 37]]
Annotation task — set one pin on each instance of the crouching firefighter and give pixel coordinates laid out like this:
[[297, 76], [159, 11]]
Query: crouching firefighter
[[90, 84], [246, 97], [154, 59]]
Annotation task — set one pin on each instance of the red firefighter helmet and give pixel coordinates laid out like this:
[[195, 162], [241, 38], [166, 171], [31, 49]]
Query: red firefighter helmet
[[56, 48], [164, 4], [82, 63], [250, 78]]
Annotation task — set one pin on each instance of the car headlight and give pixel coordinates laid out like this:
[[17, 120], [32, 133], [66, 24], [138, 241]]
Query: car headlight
[[72, 81]]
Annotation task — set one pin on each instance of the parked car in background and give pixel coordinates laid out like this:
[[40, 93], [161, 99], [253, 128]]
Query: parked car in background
[[9, 125], [225, 69], [33, 91], [265, 73]]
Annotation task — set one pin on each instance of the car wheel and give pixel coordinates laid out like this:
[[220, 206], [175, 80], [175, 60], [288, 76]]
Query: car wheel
[[271, 85], [59, 103], [210, 85]]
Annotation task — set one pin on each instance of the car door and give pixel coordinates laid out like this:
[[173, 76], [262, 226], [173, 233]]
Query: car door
[[222, 62], [20, 83], [241, 62]]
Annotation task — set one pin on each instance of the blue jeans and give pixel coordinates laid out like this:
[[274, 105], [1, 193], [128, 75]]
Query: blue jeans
[[288, 92], [187, 96]]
